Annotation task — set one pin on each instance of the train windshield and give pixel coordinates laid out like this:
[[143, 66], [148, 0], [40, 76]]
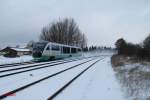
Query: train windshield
[[39, 46]]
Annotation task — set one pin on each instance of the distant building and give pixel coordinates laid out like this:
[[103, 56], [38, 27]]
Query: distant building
[[14, 52]]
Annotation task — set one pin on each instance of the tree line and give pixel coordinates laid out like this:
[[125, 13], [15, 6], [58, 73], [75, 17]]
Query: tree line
[[130, 49], [94, 48]]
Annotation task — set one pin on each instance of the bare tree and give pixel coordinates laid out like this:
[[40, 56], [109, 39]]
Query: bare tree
[[146, 42], [64, 31], [146, 45], [121, 45], [129, 49]]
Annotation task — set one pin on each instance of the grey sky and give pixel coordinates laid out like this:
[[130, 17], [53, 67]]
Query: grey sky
[[103, 21]]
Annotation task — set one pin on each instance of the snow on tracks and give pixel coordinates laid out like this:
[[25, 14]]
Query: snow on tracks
[[37, 66], [39, 77]]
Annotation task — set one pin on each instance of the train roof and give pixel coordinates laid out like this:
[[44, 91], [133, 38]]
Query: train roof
[[63, 45], [58, 44]]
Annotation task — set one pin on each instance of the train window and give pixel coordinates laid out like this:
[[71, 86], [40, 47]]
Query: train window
[[79, 50], [66, 50], [48, 48], [55, 47], [73, 50]]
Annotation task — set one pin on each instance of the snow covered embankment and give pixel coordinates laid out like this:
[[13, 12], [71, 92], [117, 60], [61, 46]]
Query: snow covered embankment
[[134, 77]]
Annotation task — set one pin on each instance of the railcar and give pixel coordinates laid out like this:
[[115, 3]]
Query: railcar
[[43, 51]]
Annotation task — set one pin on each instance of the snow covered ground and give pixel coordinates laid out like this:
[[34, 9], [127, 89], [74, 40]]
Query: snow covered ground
[[25, 78], [97, 83], [133, 74], [5, 60], [135, 80]]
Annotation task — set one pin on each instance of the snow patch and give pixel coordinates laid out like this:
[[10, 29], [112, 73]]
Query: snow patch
[[5, 60]]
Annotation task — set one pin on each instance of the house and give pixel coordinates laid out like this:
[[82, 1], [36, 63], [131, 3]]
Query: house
[[14, 52]]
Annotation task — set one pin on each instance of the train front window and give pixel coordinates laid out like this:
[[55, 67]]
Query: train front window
[[39, 46], [38, 49]]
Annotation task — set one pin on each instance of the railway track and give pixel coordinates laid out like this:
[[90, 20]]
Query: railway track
[[71, 81], [16, 64], [30, 66], [31, 63], [25, 63], [42, 79], [46, 65]]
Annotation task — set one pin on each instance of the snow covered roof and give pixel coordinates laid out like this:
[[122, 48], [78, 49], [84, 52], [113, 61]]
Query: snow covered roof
[[17, 49], [20, 49]]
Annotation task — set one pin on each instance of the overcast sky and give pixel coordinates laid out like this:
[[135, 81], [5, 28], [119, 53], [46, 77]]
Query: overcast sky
[[103, 21]]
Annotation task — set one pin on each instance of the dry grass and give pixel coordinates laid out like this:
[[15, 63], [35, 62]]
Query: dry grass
[[134, 80], [116, 61]]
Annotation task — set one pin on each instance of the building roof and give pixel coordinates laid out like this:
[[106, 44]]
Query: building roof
[[17, 49], [21, 49]]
